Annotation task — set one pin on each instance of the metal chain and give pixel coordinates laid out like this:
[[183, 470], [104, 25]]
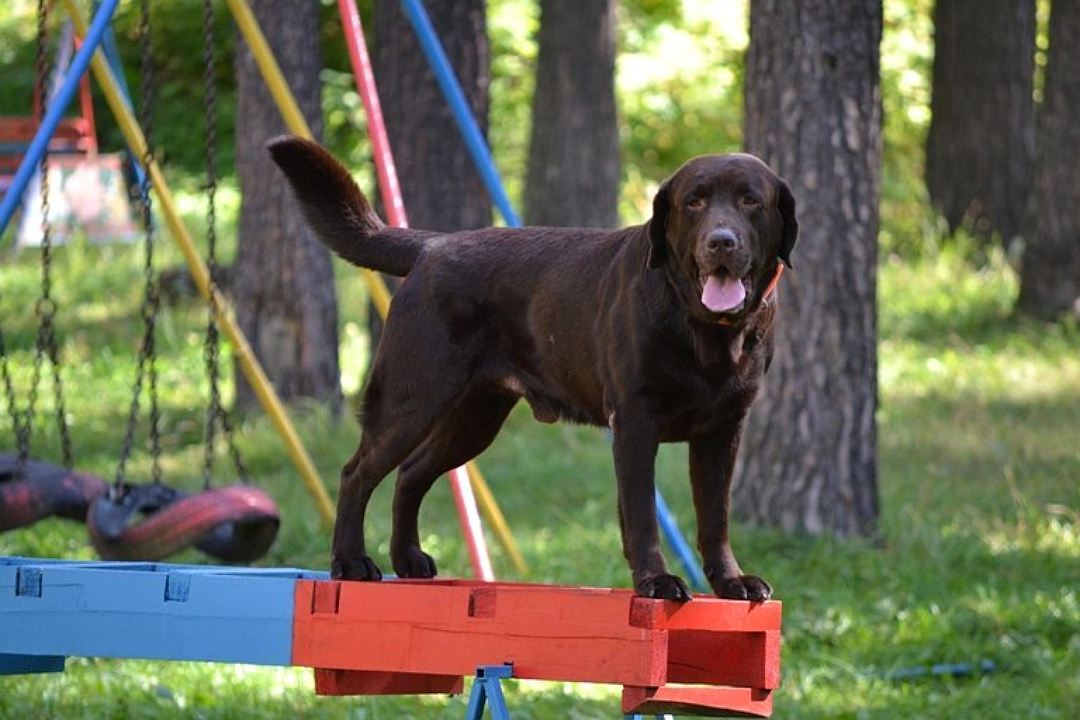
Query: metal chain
[[22, 434], [46, 307], [147, 362], [215, 411]]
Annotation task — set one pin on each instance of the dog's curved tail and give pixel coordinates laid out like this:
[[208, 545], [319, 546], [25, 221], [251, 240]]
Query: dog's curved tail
[[339, 213]]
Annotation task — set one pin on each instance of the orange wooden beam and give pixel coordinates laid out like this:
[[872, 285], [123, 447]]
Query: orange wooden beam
[[404, 636]]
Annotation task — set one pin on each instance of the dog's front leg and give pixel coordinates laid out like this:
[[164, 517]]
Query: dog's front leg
[[712, 461], [635, 439]]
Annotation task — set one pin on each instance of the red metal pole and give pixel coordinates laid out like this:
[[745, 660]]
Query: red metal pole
[[390, 191]]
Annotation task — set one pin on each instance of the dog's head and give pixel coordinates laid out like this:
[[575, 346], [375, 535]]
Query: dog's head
[[723, 222]]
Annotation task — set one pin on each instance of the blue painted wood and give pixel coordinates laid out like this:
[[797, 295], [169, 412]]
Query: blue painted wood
[[22, 664], [147, 610]]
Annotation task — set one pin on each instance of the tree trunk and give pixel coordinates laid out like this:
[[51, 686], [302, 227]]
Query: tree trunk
[[981, 143], [439, 184], [813, 113], [441, 189], [283, 288], [1050, 276], [573, 174]]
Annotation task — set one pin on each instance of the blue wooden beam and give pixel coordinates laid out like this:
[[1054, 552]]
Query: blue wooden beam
[[51, 609]]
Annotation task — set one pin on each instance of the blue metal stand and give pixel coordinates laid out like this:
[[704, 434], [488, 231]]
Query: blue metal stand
[[487, 688]]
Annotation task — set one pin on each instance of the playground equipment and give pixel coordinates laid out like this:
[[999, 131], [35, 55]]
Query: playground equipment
[[87, 190], [236, 523], [121, 108], [708, 656]]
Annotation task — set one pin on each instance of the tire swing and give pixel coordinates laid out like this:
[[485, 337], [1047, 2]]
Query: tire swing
[[32, 490], [237, 523]]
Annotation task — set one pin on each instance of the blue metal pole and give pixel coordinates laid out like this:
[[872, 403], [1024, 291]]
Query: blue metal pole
[[57, 107], [678, 543], [112, 56], [466, 123]]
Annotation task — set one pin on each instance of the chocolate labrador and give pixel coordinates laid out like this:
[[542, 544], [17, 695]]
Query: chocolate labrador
[[661, 332]]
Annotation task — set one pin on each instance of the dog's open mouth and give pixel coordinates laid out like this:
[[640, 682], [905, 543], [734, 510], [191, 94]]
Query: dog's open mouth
[[722, 292]]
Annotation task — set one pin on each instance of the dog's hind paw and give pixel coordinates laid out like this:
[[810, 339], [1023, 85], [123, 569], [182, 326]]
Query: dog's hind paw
[[743, 587], [663, 587], [414, 563], [365, 569]]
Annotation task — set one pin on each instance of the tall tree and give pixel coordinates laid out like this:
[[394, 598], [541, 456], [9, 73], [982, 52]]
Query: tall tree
[[981, 143], [1050, 275], [283, 284], [441, 189], [573, 174], [439, 184], [813, 113]]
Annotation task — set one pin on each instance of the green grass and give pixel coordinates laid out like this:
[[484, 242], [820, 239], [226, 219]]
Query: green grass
[[978, 558]]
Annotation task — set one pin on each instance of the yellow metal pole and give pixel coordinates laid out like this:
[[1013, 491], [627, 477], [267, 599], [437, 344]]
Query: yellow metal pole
[[246, 358], [294, 120]]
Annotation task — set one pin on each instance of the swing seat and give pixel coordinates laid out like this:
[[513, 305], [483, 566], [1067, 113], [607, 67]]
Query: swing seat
[[44, 490], [235, 524]]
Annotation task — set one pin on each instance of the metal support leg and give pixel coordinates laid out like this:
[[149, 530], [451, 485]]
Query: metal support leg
[[487, 688]]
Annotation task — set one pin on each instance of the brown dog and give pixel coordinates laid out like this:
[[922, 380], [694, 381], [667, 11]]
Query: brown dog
[[661, 332]]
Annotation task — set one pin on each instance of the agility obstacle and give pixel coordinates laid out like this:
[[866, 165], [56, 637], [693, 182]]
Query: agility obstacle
[[708, 656]]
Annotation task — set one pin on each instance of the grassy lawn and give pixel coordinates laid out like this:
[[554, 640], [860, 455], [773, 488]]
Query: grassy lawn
[[978, 558]]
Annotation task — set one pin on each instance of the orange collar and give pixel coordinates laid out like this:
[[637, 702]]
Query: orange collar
[[769, 290]]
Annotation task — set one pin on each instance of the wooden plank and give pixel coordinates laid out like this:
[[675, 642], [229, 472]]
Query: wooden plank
[[364, 682], [450, 628], [688, 700]]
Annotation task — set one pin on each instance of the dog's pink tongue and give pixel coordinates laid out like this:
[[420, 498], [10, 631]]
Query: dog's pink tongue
[[722, 293]]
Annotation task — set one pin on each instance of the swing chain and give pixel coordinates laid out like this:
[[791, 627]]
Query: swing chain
[[215, 411], [45, 307], [147, 361]]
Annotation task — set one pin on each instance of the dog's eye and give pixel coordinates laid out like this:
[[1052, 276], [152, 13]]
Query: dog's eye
[[695, 203], [750, 201]]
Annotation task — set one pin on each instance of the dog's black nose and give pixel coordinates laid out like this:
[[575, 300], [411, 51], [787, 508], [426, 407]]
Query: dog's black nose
[[721, 239]]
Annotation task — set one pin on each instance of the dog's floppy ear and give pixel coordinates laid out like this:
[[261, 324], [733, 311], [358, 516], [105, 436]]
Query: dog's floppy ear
[[657, 227], [790, 232]]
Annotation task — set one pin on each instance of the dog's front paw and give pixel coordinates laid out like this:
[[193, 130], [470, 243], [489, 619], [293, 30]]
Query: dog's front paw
[[743, 587], [413, 563], [364, 569], [663, 587]]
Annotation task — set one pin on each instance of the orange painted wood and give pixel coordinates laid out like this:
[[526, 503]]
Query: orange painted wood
[[687, 700], [362, 634], [366, 682]]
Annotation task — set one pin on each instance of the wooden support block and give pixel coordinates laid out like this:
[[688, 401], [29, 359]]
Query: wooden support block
[[689, 700], [367, 682]]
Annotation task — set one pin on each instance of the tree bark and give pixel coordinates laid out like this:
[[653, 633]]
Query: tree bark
[[1050, 274], [283, 281], [573, 173], [813, 113], [981, 143], [441, 189]]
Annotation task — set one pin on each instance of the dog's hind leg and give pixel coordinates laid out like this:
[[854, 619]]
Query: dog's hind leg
[[457, 438], [395, 423]]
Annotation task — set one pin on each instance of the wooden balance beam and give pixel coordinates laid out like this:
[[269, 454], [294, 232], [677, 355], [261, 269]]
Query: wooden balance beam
[[709, 656]]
